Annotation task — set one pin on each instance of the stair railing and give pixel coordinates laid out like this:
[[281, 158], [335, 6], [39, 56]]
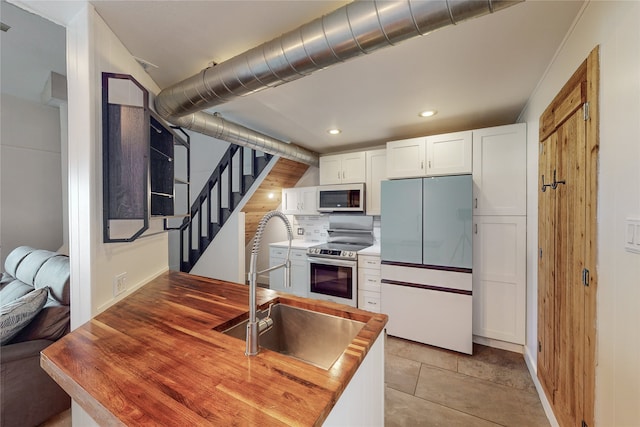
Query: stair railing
[[218, 199]]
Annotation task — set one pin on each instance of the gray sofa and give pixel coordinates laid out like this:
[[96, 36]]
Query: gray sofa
[[38, 280]]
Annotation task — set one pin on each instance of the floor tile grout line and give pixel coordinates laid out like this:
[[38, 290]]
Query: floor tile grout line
[[448, 407]]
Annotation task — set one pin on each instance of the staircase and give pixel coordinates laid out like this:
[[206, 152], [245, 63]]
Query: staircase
[[239, 169]]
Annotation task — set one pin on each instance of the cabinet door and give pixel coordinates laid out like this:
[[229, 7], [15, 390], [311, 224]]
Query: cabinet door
[[447, 202], [500, 170], [308, 200], [330, 170], [406, 158], [290, 201], [299, 274], [276, 277], [376, 172], [353, 167], [401, 221], [499, 277], [449, 154]]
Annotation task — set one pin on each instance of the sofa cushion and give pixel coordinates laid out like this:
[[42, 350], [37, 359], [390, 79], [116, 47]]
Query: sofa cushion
[[17, 314], [15, 257], [30, 265], [13, 290], [55, 274], [52, 323]]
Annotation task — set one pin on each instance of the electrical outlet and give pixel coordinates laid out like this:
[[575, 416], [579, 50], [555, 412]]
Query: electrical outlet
[[300, 231], [119, 284]]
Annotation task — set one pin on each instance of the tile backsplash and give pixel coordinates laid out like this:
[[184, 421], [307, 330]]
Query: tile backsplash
[[314, 227]]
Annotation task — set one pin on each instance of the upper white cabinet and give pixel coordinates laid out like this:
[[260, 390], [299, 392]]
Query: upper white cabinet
[[300, 201], [405, 158], [376, 173], [500, 170], [447, 154], [346, 168]]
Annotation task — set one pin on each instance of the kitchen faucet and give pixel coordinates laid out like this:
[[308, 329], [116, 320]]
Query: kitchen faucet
[[255, 327]]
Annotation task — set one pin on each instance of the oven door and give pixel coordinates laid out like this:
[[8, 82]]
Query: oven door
[[333, 280]]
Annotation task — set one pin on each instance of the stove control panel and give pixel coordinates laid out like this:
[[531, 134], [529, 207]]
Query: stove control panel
[[333, 253]]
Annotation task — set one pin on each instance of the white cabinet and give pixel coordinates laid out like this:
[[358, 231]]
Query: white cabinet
[[299, 271], [499, 240], [499, 277], [446, 154], [376, 161], [500, 170], [405, 158], [369, 283], [346, 168], [300, 201], [449, 154]]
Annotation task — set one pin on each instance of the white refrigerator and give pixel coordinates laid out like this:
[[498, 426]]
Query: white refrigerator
[[426, 252]]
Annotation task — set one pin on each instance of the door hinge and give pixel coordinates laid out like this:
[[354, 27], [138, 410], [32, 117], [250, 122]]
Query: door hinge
[[586, 111], [540, 253], [584, 424], [585, 277], [539, 347]]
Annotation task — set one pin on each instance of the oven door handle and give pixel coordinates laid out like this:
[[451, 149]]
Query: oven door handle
[[329, 261]]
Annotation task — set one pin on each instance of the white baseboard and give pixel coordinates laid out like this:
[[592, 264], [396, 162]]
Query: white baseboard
[[503, 345], [533, 371], [129, 291]]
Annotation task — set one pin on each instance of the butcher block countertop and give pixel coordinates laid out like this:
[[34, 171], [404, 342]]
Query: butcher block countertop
[[155, 359]]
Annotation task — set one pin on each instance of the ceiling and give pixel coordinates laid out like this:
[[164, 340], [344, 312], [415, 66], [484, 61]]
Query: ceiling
[[476, 74]]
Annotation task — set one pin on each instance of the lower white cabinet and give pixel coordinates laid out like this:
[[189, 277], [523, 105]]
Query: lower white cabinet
[[369, 283], [499, 278], [362, 401], [299, 271]]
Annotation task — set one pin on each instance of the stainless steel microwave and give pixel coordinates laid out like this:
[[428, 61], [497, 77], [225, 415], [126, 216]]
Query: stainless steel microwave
[[341, 198]]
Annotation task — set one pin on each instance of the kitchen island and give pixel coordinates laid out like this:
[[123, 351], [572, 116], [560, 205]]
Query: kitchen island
[[157, 358]]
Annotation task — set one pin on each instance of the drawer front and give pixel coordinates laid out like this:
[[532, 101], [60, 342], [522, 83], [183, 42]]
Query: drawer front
[[368, 280], [368, 261], [298, 255], [278, 252], [369, 301]]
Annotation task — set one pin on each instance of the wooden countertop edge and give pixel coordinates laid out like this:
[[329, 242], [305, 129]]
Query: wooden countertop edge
[[92, 406]]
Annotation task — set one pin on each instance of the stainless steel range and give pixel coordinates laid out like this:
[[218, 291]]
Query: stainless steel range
[[333, 266]]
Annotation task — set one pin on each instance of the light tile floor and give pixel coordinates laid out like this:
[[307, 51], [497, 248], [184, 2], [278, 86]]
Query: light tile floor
[[428, 386]]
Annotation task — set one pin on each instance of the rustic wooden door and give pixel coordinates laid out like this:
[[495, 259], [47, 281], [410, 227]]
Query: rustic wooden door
[[566, 267]]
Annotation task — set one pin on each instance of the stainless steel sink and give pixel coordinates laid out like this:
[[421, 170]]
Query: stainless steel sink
[[313, 337]]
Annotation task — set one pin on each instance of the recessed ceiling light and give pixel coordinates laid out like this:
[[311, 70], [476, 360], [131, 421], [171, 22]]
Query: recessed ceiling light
[[334, 131], [427, 113]]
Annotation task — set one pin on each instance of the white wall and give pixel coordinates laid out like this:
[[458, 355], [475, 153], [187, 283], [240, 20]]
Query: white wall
[[615, 26], [30, 175], [92, 48]]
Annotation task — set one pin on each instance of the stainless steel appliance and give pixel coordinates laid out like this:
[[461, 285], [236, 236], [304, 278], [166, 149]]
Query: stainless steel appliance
[[333, 266], [341, 198]]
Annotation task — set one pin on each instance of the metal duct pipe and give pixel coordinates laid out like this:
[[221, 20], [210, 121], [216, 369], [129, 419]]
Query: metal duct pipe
[[215, 126], [355, 29]]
